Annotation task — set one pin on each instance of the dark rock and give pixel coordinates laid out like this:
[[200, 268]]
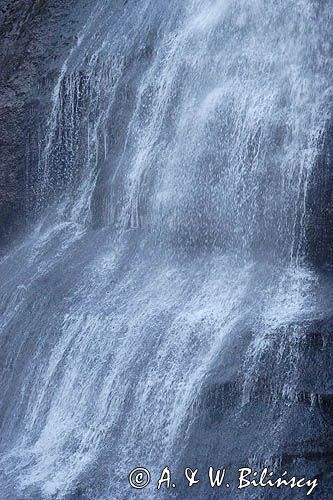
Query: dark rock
[[319, 234], [36, 36]]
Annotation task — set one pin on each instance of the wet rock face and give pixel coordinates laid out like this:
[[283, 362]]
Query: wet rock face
[[319, 239], [36, 36], [281, 416]]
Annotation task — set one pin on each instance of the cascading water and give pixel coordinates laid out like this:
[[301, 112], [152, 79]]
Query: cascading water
[[168, 261]]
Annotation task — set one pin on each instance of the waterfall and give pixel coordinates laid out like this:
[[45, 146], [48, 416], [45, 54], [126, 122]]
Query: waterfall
[[168, 259]]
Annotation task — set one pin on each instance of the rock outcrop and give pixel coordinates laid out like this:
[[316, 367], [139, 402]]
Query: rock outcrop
[[36, 36]]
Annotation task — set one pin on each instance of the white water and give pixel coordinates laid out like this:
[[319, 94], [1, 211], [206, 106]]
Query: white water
[[177, 160]]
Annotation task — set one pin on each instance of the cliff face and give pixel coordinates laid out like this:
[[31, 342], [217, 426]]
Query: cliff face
[[319, 234], [36, 36]]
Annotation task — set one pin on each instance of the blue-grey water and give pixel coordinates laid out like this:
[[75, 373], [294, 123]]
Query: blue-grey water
[[168, 256]]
